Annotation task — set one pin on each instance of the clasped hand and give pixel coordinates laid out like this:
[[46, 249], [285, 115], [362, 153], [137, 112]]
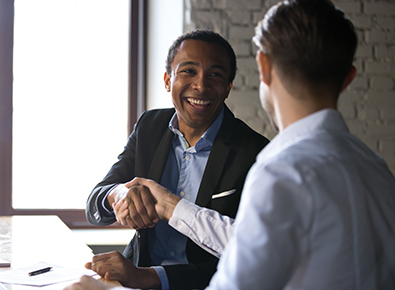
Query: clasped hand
[[141, 203]]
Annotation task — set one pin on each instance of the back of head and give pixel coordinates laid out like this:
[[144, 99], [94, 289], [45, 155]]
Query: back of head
[[208, 36], [309, 41]]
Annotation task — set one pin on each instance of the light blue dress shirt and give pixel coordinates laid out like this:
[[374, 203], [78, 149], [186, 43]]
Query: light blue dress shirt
[[182, 176], [317, 212]]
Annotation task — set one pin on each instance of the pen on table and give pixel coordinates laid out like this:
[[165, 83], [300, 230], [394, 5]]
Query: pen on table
[[44, 270]]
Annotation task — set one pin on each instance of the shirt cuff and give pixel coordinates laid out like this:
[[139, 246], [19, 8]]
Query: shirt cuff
[[184, 210], [162, 276]]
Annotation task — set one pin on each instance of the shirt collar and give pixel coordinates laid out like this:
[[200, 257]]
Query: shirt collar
[[326, 119], [208, 137]]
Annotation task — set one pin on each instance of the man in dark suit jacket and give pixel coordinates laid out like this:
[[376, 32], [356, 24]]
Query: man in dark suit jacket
[[201, 66]]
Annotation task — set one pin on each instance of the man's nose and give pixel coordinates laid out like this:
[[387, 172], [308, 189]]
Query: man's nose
[[201, 83]]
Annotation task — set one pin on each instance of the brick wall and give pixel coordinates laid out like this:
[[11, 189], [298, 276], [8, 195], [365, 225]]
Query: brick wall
[[368, 105]]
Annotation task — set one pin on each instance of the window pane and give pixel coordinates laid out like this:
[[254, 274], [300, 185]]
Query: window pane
[[70, 98]]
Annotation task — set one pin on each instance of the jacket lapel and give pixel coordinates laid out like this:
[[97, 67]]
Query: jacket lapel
[[160, 158], [216, 161]]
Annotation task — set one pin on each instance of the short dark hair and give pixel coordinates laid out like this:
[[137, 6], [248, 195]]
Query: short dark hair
[[308, 40], [208, 36]]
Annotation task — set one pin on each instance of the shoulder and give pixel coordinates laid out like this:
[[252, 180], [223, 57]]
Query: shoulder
[[157, 114], [157, 119]]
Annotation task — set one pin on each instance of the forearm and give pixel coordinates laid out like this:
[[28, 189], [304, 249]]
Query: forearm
[[207, 228], [166, 205]]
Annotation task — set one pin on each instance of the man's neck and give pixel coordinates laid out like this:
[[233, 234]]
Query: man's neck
[[291, 107], [192, 135]]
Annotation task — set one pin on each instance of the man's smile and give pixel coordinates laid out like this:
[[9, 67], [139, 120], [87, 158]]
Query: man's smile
[[198, 102]]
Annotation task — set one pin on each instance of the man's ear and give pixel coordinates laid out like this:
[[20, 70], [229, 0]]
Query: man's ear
[[230, 86], [264, 66], [349, 78], [167, 81]]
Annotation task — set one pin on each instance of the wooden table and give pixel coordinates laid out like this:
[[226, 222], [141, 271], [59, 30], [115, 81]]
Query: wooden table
[[27, 240]]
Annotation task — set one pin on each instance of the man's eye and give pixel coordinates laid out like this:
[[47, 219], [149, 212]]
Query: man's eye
[[216, 74], [189, 71]]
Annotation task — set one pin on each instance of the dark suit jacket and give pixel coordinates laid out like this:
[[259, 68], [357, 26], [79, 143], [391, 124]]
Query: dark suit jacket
[[145, 155]]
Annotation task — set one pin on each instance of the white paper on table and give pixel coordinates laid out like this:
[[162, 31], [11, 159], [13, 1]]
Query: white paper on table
[[56, 275]]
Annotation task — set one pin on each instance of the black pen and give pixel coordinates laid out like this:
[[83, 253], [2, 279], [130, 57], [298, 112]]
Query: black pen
[[44, 270]]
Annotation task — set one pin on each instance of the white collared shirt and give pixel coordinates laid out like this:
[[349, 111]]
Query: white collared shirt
[[317, 212]]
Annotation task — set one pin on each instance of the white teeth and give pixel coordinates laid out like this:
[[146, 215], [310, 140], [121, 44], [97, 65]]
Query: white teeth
[[199, 102]]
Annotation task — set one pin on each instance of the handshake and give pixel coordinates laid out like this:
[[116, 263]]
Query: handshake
[[141, 203]]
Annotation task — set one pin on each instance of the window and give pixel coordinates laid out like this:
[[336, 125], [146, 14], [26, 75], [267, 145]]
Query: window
[[71, 101]]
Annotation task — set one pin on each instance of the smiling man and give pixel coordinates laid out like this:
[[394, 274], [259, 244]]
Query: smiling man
[[199, 151]]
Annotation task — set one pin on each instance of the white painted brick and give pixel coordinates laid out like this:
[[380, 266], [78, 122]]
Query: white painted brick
[[388, 145], [350, 98], [367, 112], [200, 4], [356, 127], [213, 20], [381, 99], [361, 36], [359, 65], [383, 51], [246, 64], [241, 17], [387, 114], [249, 4], [383, 83], [380, 129], [386, 22], [245, 103], [380, 68], [361, 21], [252, 80], [242, 48], [220, 4], [349, 113], [364, 51], [359, 83], [238, 82], [241, 32], [379, 36], [378, 8], [349, 7]]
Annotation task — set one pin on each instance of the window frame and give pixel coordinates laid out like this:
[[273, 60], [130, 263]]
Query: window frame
[[73, 218]]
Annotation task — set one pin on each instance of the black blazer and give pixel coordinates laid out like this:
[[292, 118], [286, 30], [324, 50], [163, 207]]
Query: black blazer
[[145, 155]]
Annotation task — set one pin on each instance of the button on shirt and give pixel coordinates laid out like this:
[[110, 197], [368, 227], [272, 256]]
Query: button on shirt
[[182, 176]]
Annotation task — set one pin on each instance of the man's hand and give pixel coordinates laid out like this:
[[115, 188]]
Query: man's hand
[[114, 266], [165, 201], [141, 202], [134, 206], [88, 283]]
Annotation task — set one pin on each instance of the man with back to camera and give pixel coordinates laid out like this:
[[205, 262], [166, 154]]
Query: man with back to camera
[[324, 216], [199, 151]]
